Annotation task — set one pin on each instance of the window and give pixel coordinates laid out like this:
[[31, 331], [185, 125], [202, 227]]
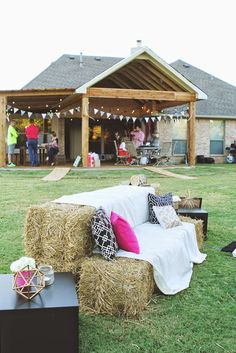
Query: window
[[179, 146], [217, 130], [179, 137]]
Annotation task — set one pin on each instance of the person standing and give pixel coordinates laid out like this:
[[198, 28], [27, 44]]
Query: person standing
[[12, 135], [137, 136], [53, 148], [32, 132]]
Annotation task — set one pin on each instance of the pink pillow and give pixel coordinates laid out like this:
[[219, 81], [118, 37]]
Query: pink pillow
[[124, 233]]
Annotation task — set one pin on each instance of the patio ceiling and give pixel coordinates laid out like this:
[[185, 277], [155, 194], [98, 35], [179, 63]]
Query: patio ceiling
[[37, 101]]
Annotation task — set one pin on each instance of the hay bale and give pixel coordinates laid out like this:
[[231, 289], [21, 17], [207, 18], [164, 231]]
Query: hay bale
[[122, 286], [59, 235], [198, 228]]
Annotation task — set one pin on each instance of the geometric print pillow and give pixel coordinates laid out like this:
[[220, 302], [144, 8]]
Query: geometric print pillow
[[167, 216], [103, 234], [157, 200]]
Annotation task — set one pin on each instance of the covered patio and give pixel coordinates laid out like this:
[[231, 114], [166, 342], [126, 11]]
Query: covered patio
[[140, 86]]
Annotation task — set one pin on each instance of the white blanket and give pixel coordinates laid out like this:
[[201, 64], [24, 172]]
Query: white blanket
[[130, 202], [171, 252]]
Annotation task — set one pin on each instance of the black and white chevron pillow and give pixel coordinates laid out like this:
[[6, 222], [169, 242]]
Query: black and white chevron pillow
[[157, 200], [103, 234]]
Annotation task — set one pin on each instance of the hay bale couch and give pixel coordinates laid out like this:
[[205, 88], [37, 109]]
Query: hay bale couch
[[59, 233]]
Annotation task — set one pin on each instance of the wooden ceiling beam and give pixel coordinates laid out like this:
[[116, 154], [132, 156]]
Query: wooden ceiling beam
[[141, 94], [154, 70], [133, 78], [143, 78], [147, 77], [169, 104]]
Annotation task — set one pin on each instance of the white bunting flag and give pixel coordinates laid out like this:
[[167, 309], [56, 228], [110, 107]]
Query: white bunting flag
[[44, 115], [22, 112], [29, 114], [102, 113], [121, 117], [95, 111], [114, 116], [71, 111], [171, 116], [127, 118], [134, 118], [15, 110], [8, 107], [153, 119], [159, 118], [108, 115], [51, 115], [58, 115], [146, 119]]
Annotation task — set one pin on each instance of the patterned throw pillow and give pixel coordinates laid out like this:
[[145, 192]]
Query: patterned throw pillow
[[167, 216], [156, 200], [103, 234]]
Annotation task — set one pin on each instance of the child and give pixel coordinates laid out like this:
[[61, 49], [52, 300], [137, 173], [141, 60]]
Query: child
[[53, 148]]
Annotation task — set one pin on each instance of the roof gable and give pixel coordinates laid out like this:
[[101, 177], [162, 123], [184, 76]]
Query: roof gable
[[163, 69]]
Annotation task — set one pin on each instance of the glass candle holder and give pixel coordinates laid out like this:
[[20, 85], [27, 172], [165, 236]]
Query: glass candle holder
[[48, 272]]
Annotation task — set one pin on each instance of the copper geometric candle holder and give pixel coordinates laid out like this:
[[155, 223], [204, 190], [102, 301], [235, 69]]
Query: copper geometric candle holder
[[28, 282]]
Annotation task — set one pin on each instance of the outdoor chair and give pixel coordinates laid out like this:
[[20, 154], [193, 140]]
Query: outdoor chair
[[133, 152], [121, 158], [163, 157]]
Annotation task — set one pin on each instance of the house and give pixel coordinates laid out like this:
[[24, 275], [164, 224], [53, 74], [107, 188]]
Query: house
[[84, 98], [216, 116]]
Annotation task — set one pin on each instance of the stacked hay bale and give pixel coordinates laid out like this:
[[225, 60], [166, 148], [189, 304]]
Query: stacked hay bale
[[122, 286], [198, 228], [59, 235]]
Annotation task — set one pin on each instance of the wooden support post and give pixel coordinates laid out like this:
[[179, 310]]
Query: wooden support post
[[191, 133], [3, 103], [85, 129]]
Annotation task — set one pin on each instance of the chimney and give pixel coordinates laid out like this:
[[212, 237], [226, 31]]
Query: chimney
[[139, 45], [81, 60]]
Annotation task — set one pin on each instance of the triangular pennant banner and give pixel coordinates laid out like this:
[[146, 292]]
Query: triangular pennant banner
[[22, 112], [134, 118], [146, 119], [71, 111], [29, 114], [127, 118], [44, 115], [114, 116], [108, 115], [58, 115], [102, 113], [121, 117], [153, 119], [159, 118], [8, 107], [15, 110], [95, 111]]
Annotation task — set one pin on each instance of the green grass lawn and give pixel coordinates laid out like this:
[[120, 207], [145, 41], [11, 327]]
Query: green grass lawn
[[200, 319]]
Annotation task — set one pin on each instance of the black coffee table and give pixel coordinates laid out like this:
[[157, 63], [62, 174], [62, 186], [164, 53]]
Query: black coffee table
[[196, 213], [47, 323]]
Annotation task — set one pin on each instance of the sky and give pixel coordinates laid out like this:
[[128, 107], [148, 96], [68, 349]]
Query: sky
[[36, 33]]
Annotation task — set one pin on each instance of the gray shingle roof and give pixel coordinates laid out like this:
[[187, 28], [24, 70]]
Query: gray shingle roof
[[221, 95], [66, 72]]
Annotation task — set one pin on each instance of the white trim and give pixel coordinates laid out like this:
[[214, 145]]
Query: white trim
[[166, 68], [224, 117]]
